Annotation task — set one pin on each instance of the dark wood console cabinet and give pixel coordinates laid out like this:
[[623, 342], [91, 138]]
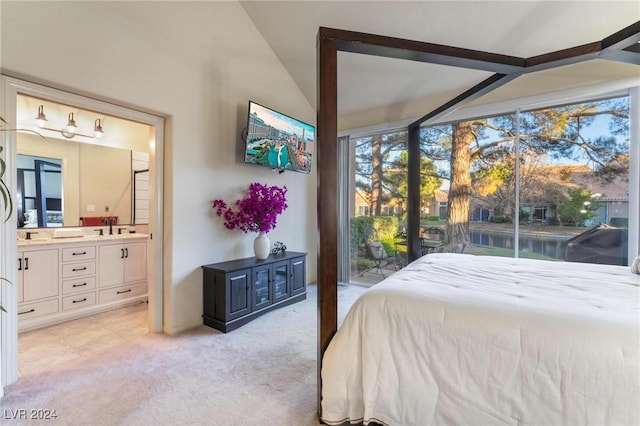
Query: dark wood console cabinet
[[237, 291]]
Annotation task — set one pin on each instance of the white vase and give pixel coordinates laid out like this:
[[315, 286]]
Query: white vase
[[262, 246]]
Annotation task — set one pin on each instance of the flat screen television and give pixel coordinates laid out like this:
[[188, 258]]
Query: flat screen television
[[278, 141]]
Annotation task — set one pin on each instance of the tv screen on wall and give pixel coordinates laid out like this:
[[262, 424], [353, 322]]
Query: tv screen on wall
[[278, 141]]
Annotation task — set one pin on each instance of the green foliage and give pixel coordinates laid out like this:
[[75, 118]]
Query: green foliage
[[381, 170], [554, 221], [578, 208], [396, 178], [619, 222], [523, 215], [382, 228]]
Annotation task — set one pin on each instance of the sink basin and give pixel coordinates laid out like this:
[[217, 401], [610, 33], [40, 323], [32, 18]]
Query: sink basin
[[67, 233]]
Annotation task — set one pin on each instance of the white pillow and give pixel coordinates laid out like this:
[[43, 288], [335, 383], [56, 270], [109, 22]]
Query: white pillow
[[635, 266]]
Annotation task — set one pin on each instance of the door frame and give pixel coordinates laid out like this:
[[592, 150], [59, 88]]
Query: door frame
[[10, 87]]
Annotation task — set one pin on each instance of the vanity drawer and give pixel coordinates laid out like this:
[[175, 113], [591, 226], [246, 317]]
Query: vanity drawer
[[71, 270], [77, 301], [122, 293], [37, 309], [75, 254], [78, 285]]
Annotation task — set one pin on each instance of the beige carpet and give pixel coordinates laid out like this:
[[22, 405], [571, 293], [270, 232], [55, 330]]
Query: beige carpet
[[263, 373]]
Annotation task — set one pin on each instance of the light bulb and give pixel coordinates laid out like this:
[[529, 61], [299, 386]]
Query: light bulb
[[71, 124]]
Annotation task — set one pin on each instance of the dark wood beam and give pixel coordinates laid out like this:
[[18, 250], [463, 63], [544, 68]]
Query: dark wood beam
[[413, 193], [327, 197], [610, 48], [563, 57], [622, 39], [467, 96], [398, 48], [623, 46]]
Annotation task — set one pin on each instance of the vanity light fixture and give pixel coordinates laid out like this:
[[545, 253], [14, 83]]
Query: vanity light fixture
[[41, 119], [97, 128], [71, 129]]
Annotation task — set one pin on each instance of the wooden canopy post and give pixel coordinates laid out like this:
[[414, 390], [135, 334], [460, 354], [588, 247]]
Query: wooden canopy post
[[327, 149]]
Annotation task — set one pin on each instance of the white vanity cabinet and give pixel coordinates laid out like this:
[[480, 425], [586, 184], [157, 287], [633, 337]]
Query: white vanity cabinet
[[63, 280], [38, 282], [122, 264], [123, 271], [78, 276]]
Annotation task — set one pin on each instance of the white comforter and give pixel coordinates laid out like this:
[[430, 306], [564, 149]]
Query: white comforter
[[470, 340]]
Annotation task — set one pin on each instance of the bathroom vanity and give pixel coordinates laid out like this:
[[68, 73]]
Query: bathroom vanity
[[60, 279]]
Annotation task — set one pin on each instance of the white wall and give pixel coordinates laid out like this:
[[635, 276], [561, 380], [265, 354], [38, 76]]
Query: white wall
[[197, 63]]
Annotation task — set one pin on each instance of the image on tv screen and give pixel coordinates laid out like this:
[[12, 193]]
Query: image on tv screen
[[278, 141]]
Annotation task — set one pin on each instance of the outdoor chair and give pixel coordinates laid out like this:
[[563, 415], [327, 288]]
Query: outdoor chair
[[431, 240], [381, 259], [401, 250]]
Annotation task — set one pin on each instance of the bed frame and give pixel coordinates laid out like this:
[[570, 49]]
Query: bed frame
[[622, 47]]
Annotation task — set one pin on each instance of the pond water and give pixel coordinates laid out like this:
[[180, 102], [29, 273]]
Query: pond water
[[548, 246]]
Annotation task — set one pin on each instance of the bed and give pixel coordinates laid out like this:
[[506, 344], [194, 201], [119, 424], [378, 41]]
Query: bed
[[465, 339]]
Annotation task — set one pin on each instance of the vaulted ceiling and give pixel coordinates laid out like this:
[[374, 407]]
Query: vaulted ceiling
[[388, 90]]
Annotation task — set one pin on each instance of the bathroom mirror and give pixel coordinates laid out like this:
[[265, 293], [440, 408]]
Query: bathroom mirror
[[79, 181]]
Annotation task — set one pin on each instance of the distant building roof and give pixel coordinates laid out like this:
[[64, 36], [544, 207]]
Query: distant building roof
[[616, 190], [441, 195]]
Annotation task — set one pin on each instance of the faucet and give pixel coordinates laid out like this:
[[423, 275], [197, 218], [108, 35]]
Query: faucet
[[110, 226], [29, 233]]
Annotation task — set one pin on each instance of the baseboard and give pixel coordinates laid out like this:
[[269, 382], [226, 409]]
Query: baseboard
[[182, 327]]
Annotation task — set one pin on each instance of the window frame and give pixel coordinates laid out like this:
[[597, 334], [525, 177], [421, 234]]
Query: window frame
[[619, 88]]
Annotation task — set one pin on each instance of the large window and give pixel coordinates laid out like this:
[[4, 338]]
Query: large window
[[549, 183]]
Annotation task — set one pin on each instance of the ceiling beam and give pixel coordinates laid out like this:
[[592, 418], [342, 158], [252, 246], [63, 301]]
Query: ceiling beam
[[619, 46], [467, 96], [622, 39], [397, 48]]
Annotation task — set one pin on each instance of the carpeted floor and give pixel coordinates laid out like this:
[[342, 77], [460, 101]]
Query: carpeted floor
[[263, 373]]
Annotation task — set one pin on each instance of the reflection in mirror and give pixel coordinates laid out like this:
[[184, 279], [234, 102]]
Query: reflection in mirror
[[39, 198], [98, 179]]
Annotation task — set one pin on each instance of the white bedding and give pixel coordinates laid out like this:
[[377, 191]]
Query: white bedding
[[471, 340]]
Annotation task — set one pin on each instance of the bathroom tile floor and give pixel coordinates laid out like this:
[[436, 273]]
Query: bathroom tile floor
[[44, 348]]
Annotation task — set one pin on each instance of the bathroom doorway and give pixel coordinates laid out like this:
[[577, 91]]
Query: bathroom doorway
[[109, 113]]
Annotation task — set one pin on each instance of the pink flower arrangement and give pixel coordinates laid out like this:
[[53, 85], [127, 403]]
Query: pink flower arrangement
[[257, 212]]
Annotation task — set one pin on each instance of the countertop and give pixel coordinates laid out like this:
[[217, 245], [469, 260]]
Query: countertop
[[85, 238]]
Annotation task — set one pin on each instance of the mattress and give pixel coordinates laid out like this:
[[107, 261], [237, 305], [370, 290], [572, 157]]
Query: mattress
[[480, 340]]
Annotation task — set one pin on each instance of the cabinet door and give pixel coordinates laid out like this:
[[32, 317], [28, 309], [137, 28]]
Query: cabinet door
[[111, 270], [238, 294], [135, 265], [40, 274], [262, 293], [299, 276], [281, 281]]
